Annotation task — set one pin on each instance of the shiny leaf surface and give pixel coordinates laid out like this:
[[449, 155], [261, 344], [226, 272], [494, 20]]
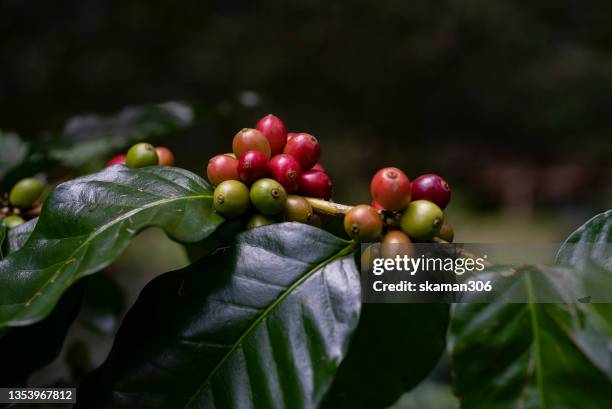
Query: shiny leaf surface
[[263, 324], [87, 222]]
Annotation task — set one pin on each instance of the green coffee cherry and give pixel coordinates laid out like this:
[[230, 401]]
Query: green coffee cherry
[[231, 198], [422, 220], [141, 155], [258, 220], [26, 192], [297, 209], [268, 196], [13, 221]]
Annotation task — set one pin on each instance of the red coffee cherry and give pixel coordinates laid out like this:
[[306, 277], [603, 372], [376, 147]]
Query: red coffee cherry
[[377, 205], [390, 187], [253, 165], [363, 223], [291, 135], [319, 167], [117, 160], [275, 130], [433, 188], [305, 149], [286, 170], [248, 139], [165, 155], [221, 168], [316, 184]]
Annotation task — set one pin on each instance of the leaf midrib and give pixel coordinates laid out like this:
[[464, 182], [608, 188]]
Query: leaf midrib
[[99, 231], [265, 313]]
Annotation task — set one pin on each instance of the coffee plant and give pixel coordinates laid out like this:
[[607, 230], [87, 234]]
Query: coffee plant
[[269, 314]]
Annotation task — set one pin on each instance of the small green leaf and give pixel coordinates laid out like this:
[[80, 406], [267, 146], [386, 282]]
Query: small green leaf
[[87, 222], [263, 324], [13, 152], [90, 137]]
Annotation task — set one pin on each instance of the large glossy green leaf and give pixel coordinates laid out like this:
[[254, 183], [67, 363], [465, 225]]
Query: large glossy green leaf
[[87, 222], [90, 137], [532, 355], [394, 348], [263, 324], [17, 236]]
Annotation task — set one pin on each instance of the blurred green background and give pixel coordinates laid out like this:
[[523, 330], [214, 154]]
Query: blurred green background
[[509, 101]]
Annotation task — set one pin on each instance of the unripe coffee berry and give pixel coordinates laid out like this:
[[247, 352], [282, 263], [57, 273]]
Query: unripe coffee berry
[[141, 155], [305, 149], [13, 221], [297, 209], [231, 198], [363, 223], [446, 232], [422, 220], [433, 188], [117, 160], [396, 243], [165, 155], [275, 131], [390, 187], [26, 192], [221, 168], [258, 220], [268, 196], [316, 184], [248, 139], [253, 165], [286, 171]]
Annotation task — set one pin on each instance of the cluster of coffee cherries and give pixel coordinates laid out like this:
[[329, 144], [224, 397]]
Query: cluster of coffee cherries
[[401, 212], [268, 174], [144, 154], [22, 202]]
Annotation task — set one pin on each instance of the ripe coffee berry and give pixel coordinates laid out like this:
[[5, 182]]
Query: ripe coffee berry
[[305, 149], [165, 155], [141, 155], [291, 135], [297, 209], [26, 192], [231, 198], [316, 184], [275, 130], [13, 221], [286, 171], [396, 243], [319, 167], [268, 196], [446, 232], [258, 220], [422, 220], [253, 165], [433, 188], [117, 160], [390, 188], [363, 223], [377, 205], [248, 139], [221, 168]]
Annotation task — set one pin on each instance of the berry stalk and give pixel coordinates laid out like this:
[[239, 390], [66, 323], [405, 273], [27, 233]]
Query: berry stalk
[[328, 208]]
